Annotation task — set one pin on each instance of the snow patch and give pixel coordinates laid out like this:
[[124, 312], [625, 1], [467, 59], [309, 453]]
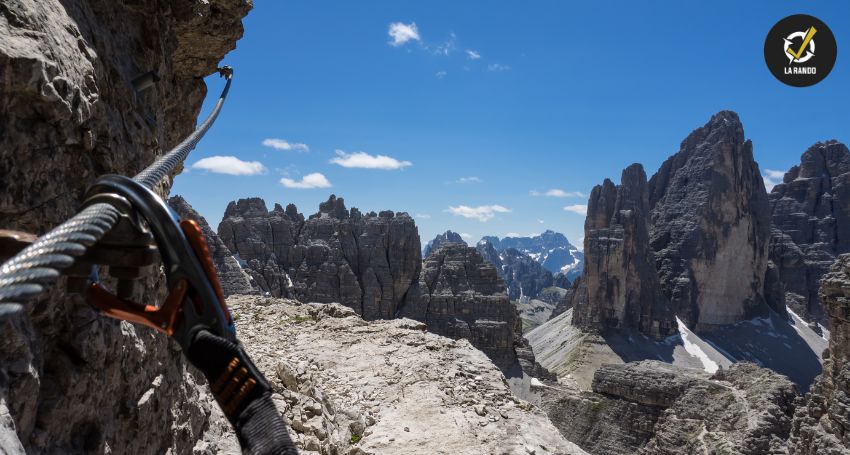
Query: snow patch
[[708, 365], [242, 263]]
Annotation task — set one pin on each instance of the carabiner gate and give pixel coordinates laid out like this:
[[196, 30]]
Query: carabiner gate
[[195, 300]]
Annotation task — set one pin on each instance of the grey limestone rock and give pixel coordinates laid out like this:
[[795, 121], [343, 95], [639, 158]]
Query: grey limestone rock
[[810, 224], [460, 295], [710, 226], [652, 407], [72, 381], [366, 262], [821, 424], [446, 237], [619, 287], [230, 274]]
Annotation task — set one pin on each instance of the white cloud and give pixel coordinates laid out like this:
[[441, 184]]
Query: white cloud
[[423, 216], [470, 179], [229, 165], [446, 47], [472, 55], [283, 144], [366, 161], [581, 209], [772, 178], [540, 221], [465, 235], [481, 213], [314, 180], [498, 67], [513, 234], [441, 74], [402, 33], [556, 192]]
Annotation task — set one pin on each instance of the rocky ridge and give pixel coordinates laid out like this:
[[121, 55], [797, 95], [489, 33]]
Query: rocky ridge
[[446, 237], [551, 249], [350, 386], [233, 279], [810, 224], [524, 277], [72, 381], [366, 262]]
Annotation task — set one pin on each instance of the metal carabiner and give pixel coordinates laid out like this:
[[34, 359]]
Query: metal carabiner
[[195, 300]]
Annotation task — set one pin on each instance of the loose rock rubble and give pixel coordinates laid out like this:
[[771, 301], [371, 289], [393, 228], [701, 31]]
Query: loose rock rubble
[[347, 386]]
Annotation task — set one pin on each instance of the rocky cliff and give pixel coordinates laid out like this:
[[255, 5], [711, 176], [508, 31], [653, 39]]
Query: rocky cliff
[[72, 381], [619, 287], [710, 226], [811, 224], [460, 295], [233, 279], [366, 262], [821, 425], [654, 408], [446, 237]]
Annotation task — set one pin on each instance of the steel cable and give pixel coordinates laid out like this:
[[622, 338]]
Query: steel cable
[[23, 276]]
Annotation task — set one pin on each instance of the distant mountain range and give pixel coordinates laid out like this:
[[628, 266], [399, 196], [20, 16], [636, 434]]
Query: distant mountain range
[[551, 249]]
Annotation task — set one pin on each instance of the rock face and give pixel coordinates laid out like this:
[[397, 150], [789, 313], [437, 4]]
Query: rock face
[[560, 280], [811, 224], [460, 295], [551, 249], [524, 277], [446, 237], [73, 381], [820, 426], [349, 386], [366, 262], [233, 279], [566, 301], [619, 287], [651, 407], [710, 226]]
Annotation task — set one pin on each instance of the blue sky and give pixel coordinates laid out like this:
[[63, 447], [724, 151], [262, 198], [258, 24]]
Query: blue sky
[[469, 119]]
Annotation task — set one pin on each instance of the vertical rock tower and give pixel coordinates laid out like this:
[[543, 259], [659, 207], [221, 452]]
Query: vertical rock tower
[[811, 223], [619, 287], [710, 226]]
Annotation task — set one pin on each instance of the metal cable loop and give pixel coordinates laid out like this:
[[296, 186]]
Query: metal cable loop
[[22, 277]]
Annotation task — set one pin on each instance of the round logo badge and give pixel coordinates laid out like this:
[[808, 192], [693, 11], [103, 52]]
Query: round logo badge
[[800, 50]]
